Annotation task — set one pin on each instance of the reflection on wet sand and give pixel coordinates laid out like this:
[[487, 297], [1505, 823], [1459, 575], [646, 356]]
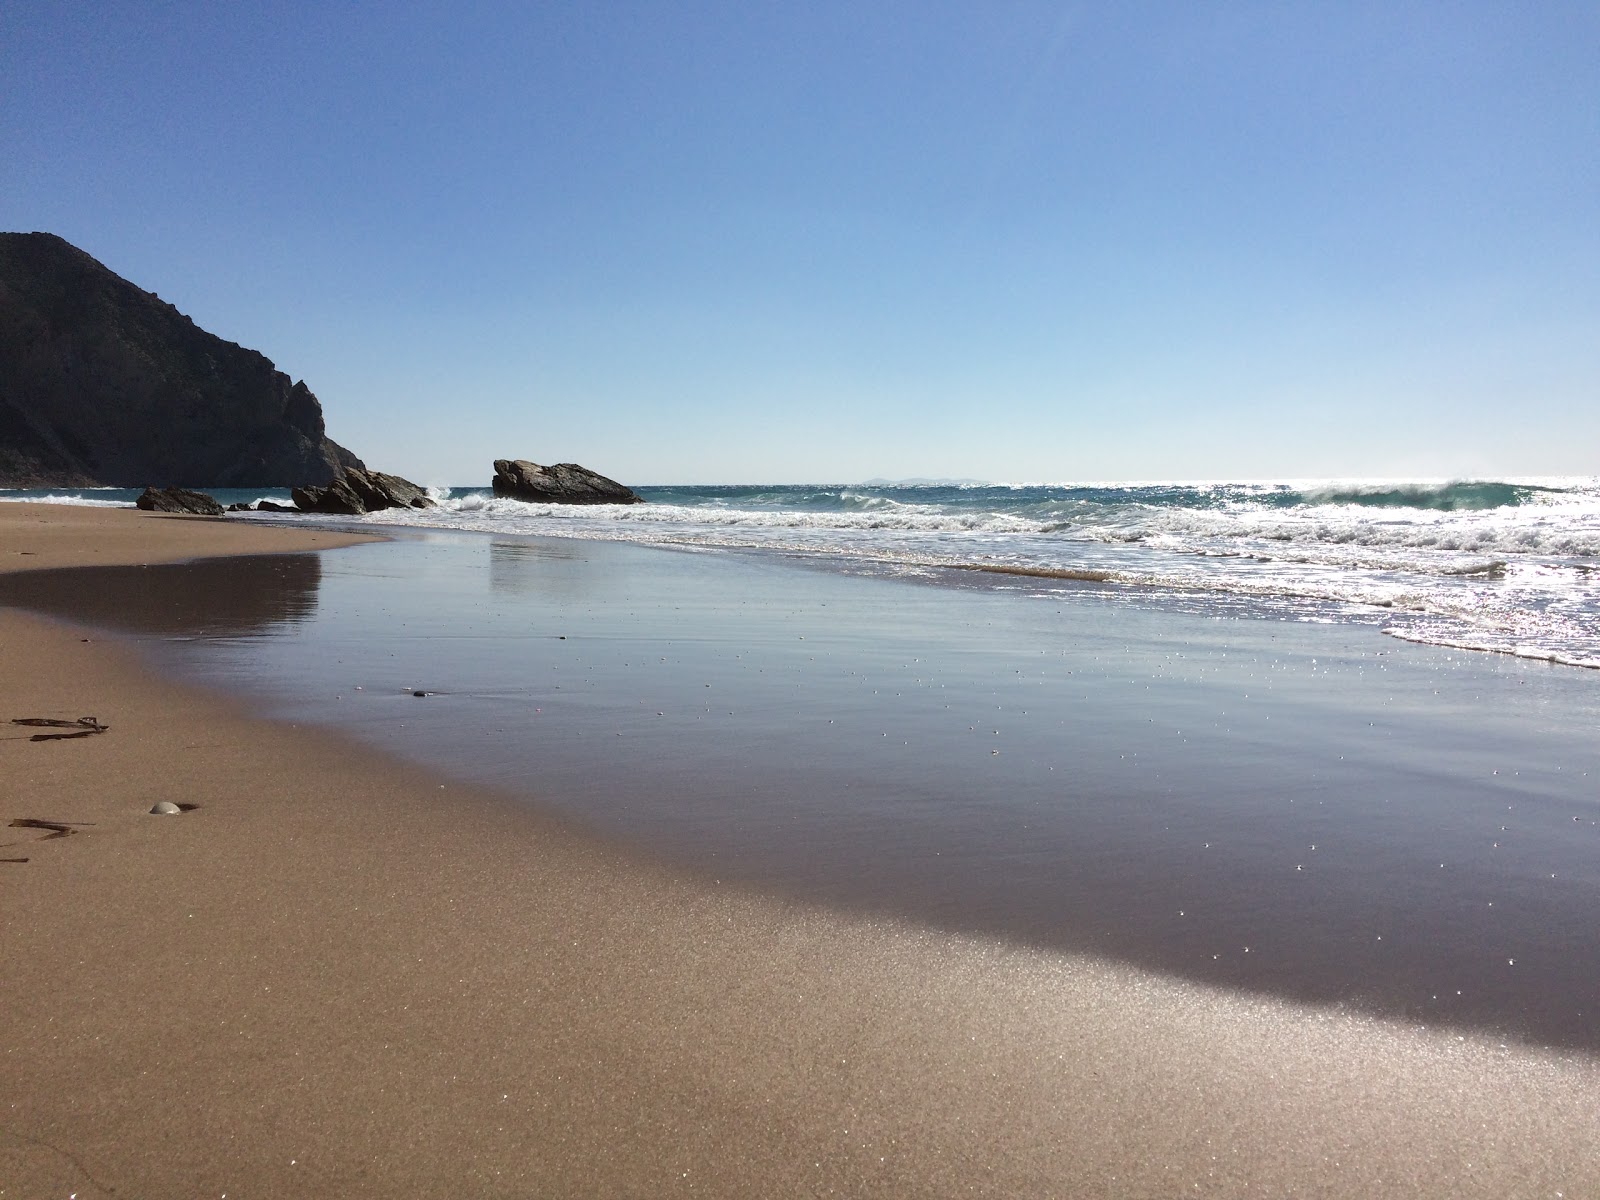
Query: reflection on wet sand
[[231, 597], [525, 567], [1261, 806]]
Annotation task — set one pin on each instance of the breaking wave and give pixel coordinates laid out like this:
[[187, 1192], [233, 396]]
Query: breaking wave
[[1506, 565]]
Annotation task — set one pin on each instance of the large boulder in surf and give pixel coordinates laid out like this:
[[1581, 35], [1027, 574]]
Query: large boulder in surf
[[360, 491], [563, 483], [337, 498], [178, 500], [379, 490]]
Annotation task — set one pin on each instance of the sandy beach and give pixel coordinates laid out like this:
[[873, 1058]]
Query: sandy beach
[[339, 975]]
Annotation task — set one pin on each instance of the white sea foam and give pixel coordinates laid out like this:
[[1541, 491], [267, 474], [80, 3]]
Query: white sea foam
[[74, 498], [1488, 566], [1511, 565]]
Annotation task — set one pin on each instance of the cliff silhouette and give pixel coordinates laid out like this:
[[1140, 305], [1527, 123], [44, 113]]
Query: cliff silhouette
[[105, 384]]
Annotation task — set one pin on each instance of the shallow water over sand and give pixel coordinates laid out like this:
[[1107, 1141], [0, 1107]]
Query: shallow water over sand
[[1309, 810], [1498, 565]]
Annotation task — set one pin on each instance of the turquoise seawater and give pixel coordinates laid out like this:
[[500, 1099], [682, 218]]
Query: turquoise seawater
[[1495, 565]]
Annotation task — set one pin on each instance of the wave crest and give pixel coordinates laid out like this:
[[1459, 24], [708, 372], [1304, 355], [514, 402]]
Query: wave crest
[[1457, 496]]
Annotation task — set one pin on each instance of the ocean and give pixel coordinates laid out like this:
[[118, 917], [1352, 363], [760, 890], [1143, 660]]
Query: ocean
[[1226, 733], [1506, 566]]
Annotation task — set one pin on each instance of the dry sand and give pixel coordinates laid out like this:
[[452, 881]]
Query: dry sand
[[339, 976]]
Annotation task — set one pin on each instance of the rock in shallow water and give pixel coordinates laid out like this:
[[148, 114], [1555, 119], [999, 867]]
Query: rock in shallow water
[[178, 500], [338, 497], [360, 491], [563, 483]]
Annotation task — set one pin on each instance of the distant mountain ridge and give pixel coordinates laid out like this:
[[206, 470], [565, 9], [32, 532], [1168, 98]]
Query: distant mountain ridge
[[103, 384], [921, 481]]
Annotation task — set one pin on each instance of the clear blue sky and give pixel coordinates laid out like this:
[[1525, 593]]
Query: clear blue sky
[[719, 242]]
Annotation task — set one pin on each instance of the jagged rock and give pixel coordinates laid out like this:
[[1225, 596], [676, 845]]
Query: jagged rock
[[563, 483], [178, 500], [379, 490], [263, 506], [360, 491], [104, 384], [338, 498]]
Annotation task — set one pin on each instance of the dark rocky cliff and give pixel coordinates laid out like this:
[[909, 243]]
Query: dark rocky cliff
[[102, 383]]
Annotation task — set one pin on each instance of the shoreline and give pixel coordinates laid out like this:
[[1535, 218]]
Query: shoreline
[[38, 536], [345, 975]]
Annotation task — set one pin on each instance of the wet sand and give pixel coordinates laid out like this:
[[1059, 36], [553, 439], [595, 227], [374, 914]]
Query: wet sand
[[35, 537], [341, 975], [1312, 812]]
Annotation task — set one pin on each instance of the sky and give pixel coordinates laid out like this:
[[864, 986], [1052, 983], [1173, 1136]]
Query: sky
[[760, 242]]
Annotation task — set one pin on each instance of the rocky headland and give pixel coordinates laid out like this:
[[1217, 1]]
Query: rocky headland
[[105, 384]]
